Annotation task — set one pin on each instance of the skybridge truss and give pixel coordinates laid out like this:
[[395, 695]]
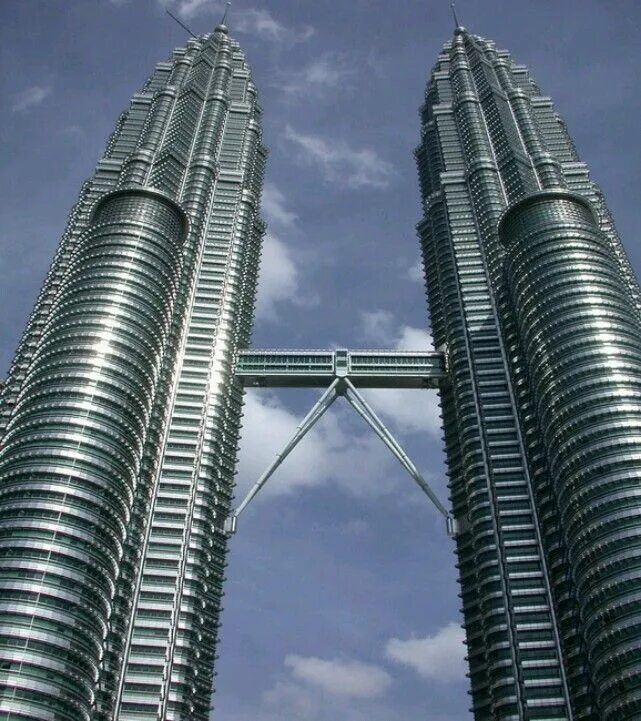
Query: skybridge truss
[[341, 372]]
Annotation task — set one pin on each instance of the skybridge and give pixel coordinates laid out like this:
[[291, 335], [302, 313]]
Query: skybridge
[[318, 368], [342, 373]]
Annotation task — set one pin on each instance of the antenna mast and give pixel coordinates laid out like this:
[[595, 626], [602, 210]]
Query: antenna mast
[[182, 25], [453, 7]]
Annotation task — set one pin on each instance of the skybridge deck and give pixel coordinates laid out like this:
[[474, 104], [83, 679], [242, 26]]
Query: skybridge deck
[[318, 368]]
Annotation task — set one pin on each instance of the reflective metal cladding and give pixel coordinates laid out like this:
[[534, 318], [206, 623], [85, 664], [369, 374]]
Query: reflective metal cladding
[[121, 415], [532, 295]]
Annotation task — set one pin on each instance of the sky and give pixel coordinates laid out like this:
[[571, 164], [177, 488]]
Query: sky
[[341, 599]]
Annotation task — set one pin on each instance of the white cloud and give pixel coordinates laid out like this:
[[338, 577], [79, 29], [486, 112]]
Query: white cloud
[[189, 9], [340, 163], [439, 657], [347, 678], [278, 281], [415, 272], [380, 326], [273, 206], [253, 21], [317, 77], [73, 131], [377, 325], [355, 527], [290, 700], [297, 702], [410, 411], [301, 701], [30, 97], [410, 338], [261, 23]]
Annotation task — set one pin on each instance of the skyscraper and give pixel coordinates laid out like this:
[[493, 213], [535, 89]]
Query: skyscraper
[[120, 415], [121, 411], [534, 302]]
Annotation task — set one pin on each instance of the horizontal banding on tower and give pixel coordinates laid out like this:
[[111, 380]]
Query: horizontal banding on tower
[[582, 338], [151, 193], [72, 451]]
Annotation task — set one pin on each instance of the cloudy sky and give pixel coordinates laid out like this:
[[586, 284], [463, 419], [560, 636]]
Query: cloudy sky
[[341, 594]]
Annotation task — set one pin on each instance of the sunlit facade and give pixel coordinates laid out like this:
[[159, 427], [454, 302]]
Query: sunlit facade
[[120, 415], [535, 304]]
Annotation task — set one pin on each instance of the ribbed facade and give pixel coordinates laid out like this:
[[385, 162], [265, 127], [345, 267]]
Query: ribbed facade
[[120, 415], [534, 301]]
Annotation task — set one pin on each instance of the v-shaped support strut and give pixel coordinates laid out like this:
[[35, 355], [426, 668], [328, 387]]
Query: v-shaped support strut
[[342, 386]]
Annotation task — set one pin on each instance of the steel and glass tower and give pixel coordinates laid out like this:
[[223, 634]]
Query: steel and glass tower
[[120, 415], [535, 304]]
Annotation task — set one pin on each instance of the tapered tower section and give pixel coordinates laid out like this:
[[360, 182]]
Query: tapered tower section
[[120, 415], [534, 301]]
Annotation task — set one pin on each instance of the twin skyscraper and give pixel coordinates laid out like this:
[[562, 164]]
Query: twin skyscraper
[[121, 412]]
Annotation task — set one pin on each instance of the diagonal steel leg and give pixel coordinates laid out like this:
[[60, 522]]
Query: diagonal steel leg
[[359, 404], [315, 413]]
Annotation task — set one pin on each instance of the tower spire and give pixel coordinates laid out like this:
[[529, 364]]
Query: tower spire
[[457, 24], [227, 6], [221, 27]]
